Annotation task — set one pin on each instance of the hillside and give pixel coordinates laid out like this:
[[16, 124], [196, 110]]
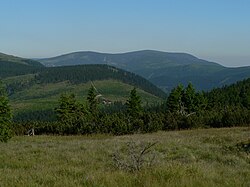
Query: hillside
[[12, 66], [166, 70], [41, 91], [41, 99], [85, 73], [203, 77]]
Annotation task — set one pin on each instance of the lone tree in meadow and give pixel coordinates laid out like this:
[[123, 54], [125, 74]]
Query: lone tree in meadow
[[5, 115]]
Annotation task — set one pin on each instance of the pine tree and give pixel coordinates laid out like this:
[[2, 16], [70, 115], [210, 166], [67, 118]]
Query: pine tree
[[190, 99], [69, 110], [201, 102], [134, 108], [92, 101], [5, 116], [245, 96], [174, 101]]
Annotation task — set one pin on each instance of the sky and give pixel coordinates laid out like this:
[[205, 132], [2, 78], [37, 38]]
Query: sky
[[215, 30]]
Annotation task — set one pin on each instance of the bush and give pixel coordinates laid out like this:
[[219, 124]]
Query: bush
[[134, 156], [152, 122], [116, 124]]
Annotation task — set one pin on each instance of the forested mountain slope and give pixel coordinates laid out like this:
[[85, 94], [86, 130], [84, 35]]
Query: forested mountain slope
[[41, 91], [164, 69], [12, 66], [86, 73]]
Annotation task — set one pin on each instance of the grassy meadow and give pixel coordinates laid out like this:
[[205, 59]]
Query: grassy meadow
[[203, 157], [46, 96]]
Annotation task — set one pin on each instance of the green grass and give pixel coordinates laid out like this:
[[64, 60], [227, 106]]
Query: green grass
[[46, 96], [206, 157]]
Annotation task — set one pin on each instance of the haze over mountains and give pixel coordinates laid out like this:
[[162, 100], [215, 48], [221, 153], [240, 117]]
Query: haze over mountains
[[164, 69], [35, 87]]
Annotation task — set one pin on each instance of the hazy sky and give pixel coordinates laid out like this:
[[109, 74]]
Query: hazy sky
[[216, 30]]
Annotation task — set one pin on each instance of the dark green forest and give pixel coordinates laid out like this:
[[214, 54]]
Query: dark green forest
[[14, 69], [185, 108], [5, 116], [13, 66], [237, 94]]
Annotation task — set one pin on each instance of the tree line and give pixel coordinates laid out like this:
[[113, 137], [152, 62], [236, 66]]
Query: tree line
[[185, 108]]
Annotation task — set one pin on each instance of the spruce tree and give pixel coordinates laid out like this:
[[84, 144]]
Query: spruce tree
[[92, 101], [5, 116], [174, 101], [201, 102], [190, 99], [134, 108], [68, 110]]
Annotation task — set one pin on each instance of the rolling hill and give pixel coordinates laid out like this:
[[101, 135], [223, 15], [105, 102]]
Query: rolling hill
[[81, 74], [13, 66], [39, 92], [41, 99], [164, 69]]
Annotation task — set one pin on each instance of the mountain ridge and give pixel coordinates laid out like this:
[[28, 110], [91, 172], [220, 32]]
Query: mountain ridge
[[141, 52], [165, 69]]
